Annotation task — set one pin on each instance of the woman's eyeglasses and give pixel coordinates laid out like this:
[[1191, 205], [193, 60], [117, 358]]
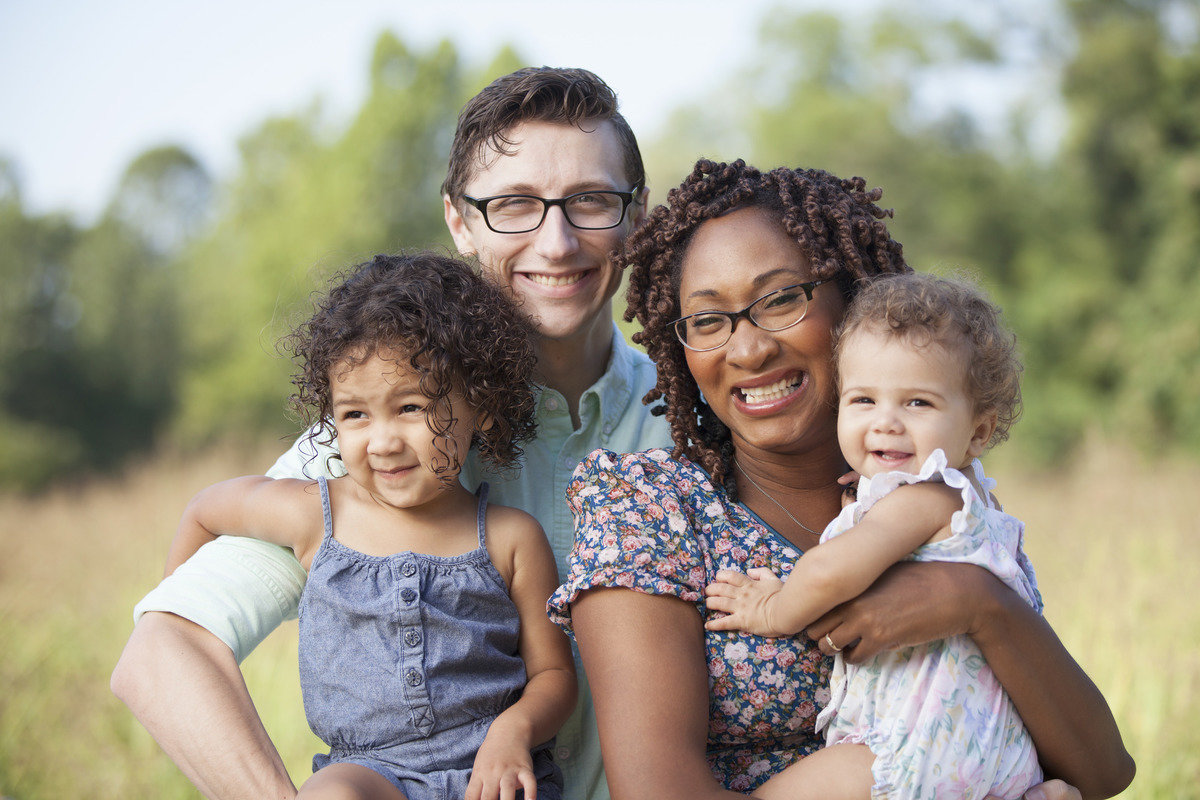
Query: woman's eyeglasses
[[774, 311]]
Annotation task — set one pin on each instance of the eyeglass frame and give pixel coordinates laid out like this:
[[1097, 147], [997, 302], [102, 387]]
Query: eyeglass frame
[[734, 316], [627, 199]]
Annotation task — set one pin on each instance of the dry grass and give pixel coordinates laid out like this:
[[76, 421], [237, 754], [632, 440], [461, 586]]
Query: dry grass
[[1117, 553]]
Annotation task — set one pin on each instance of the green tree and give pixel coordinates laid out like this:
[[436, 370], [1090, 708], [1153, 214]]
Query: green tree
[[89, 349], [312, 197]]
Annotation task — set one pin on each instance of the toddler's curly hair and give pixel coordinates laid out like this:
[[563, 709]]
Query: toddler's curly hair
[[459, 333], [837, 225], [924, 309]]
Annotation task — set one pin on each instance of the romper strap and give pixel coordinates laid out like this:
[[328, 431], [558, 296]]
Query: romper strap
[[326, 513], [481, 513]]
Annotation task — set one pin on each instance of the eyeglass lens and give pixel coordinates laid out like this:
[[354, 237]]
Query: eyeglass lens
[[773, 312], [587, 210]]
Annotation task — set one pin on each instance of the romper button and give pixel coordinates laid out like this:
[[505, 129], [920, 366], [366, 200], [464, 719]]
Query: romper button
[[409, 568], [413, 677], [412, 638], [562, 753], [408, 594], [552, 404]]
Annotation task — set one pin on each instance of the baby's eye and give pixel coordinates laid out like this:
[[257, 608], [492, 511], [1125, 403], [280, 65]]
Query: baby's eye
[[860, 400], [920, 403]]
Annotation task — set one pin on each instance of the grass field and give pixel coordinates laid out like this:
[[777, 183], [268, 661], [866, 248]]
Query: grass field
[[1117, 554]]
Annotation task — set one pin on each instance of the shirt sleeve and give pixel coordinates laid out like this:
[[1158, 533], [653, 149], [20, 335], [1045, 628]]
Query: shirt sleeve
[[631, 531], [241, 589], [238, 589]]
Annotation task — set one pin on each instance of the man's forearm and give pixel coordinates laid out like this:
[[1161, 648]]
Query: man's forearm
[[183, 684]]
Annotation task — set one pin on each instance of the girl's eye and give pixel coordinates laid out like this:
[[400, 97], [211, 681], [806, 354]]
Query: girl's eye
[[861, 400], [410, 408], [353, 415]]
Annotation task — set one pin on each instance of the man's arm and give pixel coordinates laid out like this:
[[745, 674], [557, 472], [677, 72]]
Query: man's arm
[[184, 685], [179, 671]]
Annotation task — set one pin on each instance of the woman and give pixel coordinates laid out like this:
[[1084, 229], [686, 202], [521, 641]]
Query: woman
[[752, 271]]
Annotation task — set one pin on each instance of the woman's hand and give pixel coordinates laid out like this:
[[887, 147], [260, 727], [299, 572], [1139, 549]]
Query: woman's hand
[[502, 766], [909, 604]]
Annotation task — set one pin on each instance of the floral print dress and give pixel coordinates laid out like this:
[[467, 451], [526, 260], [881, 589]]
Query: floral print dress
[[655, 524]]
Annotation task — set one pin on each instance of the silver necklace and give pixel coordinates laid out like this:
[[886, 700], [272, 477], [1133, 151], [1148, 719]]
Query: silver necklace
[[763, 492]]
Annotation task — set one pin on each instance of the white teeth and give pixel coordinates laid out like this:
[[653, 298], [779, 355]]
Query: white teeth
[[554, 280], [774, 391]]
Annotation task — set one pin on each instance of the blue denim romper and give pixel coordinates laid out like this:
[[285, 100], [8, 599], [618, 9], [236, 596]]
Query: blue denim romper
[[406, 659]]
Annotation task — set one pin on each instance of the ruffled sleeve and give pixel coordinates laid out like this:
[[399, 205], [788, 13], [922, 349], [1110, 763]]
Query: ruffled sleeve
[[980, 533], [633, 529]]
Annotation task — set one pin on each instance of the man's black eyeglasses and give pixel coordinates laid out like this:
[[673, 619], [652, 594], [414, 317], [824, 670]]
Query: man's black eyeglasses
[[521, 213]]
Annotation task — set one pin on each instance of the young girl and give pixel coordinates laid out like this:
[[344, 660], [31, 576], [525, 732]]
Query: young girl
[[427, 662], [929, 379]]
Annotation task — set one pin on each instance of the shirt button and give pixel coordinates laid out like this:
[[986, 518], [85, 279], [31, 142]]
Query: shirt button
[[409, 568], [552, 404], [608, 429], [408, 594], [412, 637], [413, 677], [562, 753]]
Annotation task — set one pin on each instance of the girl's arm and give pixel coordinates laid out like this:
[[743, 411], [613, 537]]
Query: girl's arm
[[503, 763], [837, 570], [1071, 725], [284, 511], [645, 662]]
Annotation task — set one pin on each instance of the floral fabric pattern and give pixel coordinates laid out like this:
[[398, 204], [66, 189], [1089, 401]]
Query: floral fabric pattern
[[936, 717], [657, 525]]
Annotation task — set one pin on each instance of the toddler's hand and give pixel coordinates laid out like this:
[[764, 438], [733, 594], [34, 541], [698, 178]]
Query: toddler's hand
[[748, 599], [501, 767]]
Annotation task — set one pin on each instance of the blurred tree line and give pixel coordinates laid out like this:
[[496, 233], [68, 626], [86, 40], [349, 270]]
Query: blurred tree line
[[159, 321]]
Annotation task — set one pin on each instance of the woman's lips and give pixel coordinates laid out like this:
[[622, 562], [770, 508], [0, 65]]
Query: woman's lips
[[769, 397], [771, 391]]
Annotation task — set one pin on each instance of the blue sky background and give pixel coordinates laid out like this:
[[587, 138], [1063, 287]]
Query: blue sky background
[[86, 86]]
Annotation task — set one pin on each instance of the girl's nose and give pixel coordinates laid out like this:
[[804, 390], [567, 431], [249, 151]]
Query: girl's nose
[[385, 438], [886, 420]]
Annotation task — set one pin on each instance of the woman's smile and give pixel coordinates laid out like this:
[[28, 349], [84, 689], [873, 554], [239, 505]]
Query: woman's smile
[[763, 397]]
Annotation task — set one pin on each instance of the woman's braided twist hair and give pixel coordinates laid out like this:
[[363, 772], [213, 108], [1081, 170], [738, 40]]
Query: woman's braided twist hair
[[839, 229]]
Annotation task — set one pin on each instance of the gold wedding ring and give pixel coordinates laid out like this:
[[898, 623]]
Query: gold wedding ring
[[832, 646]]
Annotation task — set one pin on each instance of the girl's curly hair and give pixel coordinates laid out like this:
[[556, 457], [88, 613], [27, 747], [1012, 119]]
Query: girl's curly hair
[[837, 225], [923, 309], [459, 332]]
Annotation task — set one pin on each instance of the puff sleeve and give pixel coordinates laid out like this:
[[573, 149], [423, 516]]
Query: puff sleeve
[[633, 530]]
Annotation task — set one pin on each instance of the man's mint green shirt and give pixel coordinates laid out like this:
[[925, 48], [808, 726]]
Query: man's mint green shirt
[[242, 589]]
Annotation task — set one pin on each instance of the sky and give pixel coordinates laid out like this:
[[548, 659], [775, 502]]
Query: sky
[[86, 86]]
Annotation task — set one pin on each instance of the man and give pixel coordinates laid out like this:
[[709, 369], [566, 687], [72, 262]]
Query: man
[[545, 180]]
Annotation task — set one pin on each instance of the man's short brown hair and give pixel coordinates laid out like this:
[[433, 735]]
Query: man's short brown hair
[[567, 96]]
